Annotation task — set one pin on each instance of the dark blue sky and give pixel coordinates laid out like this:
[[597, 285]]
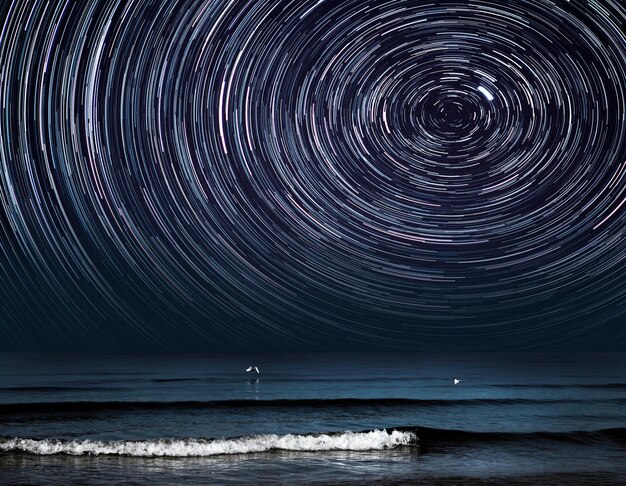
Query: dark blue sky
[[256, 175]]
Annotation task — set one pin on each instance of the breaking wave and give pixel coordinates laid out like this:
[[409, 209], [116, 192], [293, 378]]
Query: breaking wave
[[423, 437], [346, 441]]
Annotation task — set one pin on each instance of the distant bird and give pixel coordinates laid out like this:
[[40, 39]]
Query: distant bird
[[457, 381], [252, 368]]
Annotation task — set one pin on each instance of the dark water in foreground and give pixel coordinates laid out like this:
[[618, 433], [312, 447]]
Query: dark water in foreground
[[313, 418]]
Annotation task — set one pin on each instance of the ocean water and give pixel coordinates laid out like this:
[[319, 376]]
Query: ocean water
[[313, 419]]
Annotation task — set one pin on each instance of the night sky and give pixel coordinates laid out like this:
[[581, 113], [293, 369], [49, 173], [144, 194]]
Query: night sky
[[246, 175]]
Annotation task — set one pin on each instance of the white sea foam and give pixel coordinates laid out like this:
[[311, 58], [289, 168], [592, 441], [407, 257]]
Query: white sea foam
[[348, 441]]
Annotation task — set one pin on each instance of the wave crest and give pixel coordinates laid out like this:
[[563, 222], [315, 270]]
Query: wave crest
[[347, 441]]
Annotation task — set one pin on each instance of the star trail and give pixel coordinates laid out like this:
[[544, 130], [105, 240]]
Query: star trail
[[312, 174]]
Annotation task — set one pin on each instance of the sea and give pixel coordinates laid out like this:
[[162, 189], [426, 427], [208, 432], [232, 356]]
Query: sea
[[326, 418]]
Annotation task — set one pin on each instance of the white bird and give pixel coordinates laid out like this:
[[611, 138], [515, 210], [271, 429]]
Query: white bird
[[252, 368], [457, 381]]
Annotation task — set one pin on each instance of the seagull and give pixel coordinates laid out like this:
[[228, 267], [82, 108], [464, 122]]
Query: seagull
[[457, 381], [252, 368]]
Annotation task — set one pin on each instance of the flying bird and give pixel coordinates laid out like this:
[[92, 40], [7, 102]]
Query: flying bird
[[457, 381], [252, 368]]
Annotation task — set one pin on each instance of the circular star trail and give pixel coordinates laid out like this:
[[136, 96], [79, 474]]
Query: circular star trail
[[312, 173]]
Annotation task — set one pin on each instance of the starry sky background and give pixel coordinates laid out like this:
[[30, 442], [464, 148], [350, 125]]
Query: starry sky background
[[312, 175]]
